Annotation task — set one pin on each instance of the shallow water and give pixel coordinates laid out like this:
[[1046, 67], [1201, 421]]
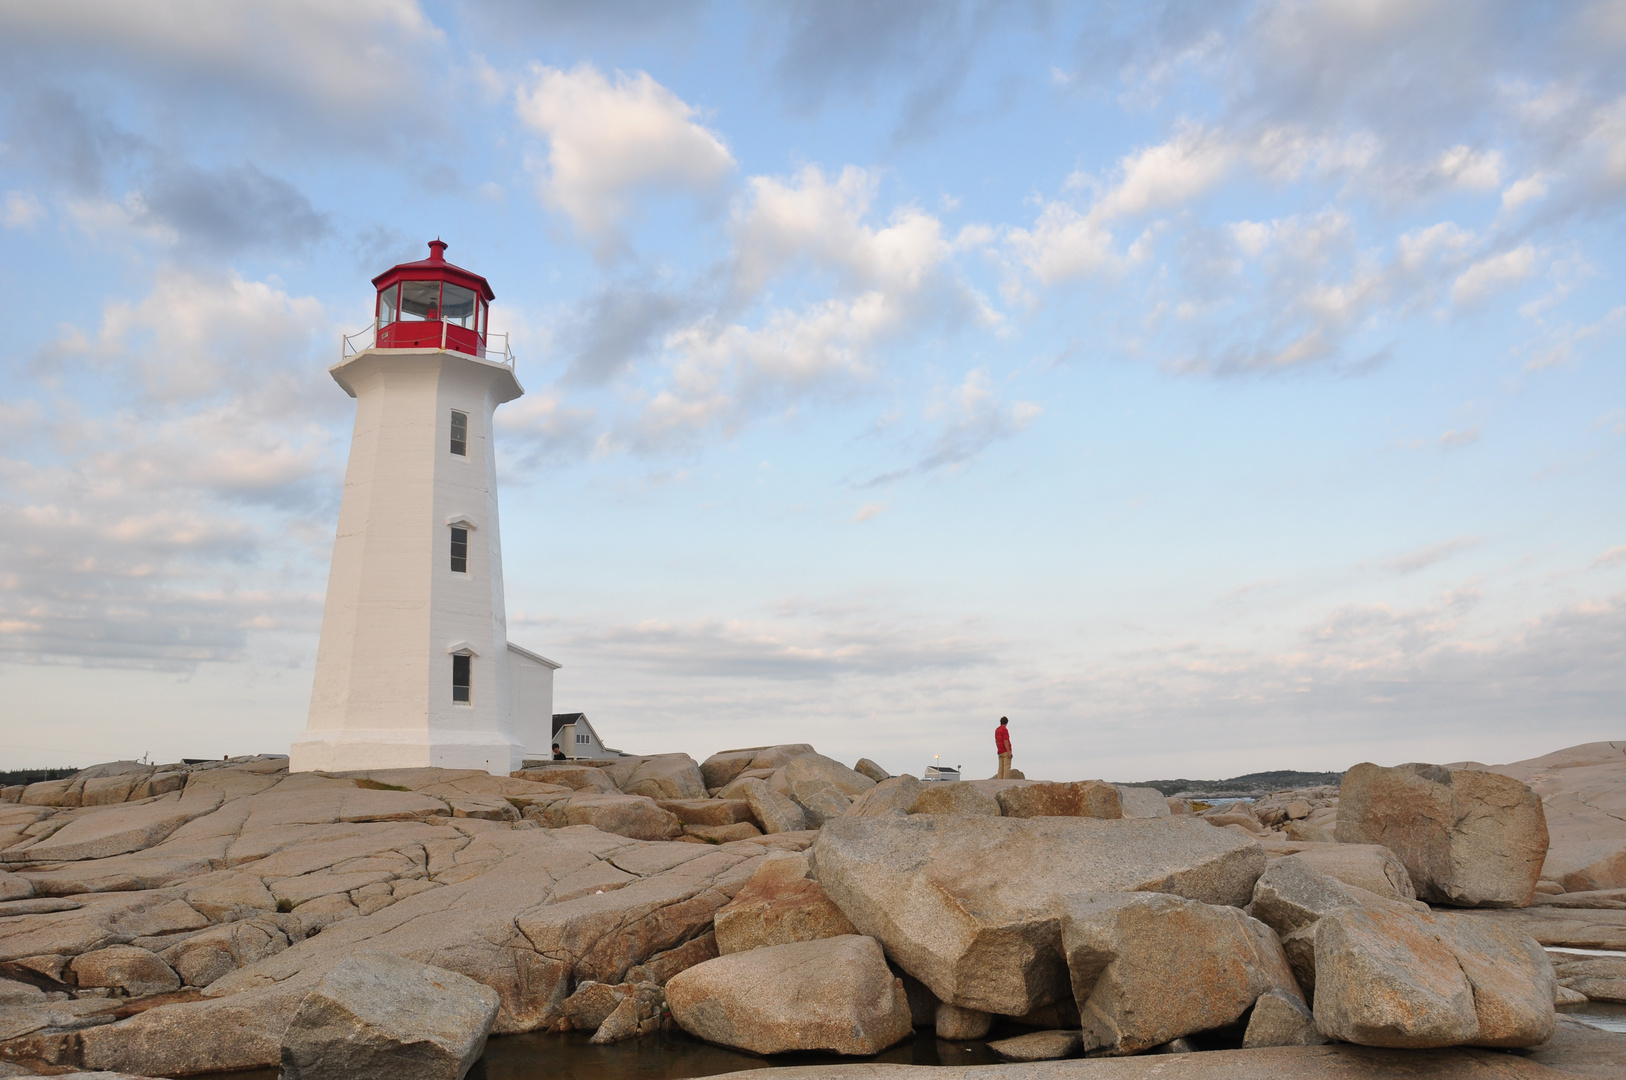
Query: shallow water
[[546, 1056], [1603, 1014]]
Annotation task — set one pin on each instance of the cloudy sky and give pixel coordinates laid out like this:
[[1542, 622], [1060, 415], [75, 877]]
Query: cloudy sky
[[1208, 386]]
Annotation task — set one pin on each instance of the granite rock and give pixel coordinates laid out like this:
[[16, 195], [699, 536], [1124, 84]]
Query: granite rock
[[378, 1015], [972, 906], [834, 994], [1468, 838]]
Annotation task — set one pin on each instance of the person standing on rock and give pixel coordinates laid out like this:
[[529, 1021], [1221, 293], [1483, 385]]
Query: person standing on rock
[[1002, 743]]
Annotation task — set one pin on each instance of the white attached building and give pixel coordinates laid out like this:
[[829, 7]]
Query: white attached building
[[414, 667], [576, 737]]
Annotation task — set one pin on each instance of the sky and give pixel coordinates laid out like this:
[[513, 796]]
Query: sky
[[1209, 387]]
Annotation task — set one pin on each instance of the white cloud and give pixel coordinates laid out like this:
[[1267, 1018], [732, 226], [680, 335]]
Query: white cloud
[[973, 416], [1494, 274], [1468, 168], [1169, 173], [125, 531], [20, 210], [609, 141], [106, 220], [1526, 189], [349, 59], [196, 335], [863, 284], [811, 218], [1423, 558], [1455, 439], [1068, 242]]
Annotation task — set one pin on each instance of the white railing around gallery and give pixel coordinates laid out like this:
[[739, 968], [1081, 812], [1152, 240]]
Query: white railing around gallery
[[367, 337]]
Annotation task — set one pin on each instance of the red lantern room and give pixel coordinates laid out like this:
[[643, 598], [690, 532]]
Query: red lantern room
[[432, 304]]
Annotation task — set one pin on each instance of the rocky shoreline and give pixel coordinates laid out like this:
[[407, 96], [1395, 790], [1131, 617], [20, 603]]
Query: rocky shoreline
[[179, 920]]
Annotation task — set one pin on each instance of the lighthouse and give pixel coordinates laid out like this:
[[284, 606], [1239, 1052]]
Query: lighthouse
[[414, 667]]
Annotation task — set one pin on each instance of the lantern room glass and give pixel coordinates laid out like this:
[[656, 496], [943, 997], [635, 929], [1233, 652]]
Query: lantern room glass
[[389, 305], [420, 301]]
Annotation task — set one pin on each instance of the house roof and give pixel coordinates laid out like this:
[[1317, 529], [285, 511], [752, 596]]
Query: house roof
[[560, 719], [538, 657]]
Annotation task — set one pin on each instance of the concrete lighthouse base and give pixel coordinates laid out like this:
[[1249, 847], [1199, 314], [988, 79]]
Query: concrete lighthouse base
[[381, 748]]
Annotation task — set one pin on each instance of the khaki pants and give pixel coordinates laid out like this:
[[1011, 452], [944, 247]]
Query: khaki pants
[[1004, 767]]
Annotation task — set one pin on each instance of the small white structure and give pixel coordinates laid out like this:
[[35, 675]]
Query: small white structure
[[532, 678], [414, 666], [573, 734]]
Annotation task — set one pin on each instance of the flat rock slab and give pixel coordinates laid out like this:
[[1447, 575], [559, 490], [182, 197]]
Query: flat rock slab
[[1039, 1046], [1600, 978], [114, 830], [1578, 929]]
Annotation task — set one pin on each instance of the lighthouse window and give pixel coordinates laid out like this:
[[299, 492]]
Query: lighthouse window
[[460, 677], [420, 300], [460, 550], [460, 434], [457, 305], [389, 305]]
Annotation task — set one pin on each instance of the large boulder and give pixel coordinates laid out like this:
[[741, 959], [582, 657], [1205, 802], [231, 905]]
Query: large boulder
[[891, 797], [1468, 838], [1126, 952], [378, 1015], [868, 768], [1511, 975], [774, 812], [667, 776], [818, 769], [707, 811], [1291, 896], [1383, 980], [972, 906], [1366, 866], [780, 904], [1583, 795], [726, 765], [1077, 798], [633, 816], [819, 802], [964, 800], [1280, 1019], [835, 994], [1389, 976], [1142, 801], [822, 787]]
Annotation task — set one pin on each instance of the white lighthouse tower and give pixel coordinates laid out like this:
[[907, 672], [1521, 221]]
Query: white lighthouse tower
[[414, 666]]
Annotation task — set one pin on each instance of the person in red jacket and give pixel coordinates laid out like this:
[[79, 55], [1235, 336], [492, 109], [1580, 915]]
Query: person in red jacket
[[1002, 743]]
